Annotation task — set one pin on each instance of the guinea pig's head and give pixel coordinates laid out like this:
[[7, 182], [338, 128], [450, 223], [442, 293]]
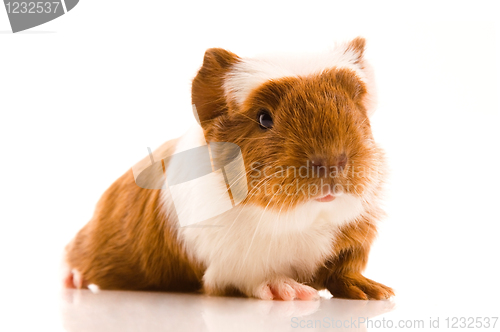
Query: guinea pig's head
[[302, 123]]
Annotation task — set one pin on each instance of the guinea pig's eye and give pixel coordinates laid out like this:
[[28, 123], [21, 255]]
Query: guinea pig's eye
[[265, 119]]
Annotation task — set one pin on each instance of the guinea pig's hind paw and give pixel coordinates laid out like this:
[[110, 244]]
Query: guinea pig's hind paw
[[285, 289], [74, 279]]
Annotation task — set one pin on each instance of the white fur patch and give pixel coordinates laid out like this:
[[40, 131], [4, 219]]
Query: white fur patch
[[248, 74], [195, 194], [252, 244]]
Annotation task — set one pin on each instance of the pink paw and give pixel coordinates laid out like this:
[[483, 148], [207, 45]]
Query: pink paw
[[73, 279], [285, 289]]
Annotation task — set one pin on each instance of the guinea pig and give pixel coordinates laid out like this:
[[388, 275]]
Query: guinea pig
[[308, 113]]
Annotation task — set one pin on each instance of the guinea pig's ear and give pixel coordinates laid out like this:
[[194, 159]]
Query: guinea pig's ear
[[356, 50], [357, 47], [207, 92]]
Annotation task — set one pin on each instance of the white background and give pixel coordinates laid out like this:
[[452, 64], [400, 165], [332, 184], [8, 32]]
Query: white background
[[82, 97]]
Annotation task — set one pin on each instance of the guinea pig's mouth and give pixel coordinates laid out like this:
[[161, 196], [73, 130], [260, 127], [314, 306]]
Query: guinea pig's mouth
[[325, 198], [328, 195]]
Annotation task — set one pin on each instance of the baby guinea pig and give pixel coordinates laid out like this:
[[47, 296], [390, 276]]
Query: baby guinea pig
[[314, 176]]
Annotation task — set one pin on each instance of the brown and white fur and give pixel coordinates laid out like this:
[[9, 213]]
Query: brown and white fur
[[273, 245]]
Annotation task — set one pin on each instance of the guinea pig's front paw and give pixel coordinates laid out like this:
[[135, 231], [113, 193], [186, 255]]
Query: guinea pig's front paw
[[357, 287], [285, 289]]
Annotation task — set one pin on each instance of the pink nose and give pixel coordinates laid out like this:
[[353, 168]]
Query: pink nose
[[325, 165]]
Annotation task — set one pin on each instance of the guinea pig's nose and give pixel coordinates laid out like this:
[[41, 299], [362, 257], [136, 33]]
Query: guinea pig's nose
[[319, 164], [324, 165]]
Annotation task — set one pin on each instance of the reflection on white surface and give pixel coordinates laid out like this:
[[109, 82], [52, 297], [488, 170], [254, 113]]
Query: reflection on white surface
[[107, 311]]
